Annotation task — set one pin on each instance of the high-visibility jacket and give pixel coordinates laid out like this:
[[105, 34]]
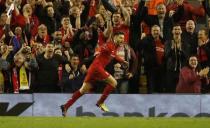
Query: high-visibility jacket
[[152, 6]]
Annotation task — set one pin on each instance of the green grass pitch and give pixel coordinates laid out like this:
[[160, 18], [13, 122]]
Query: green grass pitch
[[102, 122]]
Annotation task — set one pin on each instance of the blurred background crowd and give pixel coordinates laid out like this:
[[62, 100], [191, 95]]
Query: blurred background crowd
[[46, 46]]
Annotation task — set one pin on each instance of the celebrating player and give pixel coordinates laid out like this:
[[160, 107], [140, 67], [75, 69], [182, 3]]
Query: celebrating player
[[96, 72]]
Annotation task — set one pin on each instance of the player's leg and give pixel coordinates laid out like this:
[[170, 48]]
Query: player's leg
[[84, 89], [111, 85]]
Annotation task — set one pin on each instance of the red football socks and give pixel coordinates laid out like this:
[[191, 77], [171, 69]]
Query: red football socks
[[107, 90], [74, 97]]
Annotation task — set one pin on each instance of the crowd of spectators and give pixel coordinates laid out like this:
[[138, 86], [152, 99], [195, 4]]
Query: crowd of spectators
[[46, 46]]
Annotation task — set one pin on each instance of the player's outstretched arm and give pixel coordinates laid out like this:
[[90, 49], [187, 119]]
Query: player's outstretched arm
[[123, 62]]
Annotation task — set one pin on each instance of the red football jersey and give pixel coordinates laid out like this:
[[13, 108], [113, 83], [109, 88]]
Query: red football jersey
[[106, 53]]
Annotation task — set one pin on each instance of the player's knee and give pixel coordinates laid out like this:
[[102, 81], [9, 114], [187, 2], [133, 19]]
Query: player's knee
[[84, 90], [114, 83]]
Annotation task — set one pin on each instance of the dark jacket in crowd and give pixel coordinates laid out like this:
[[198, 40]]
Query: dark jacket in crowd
[[136, 19], [47, 75], [176, 59], [191, 40], [147, 50], [72, 85], [5, 68], [204, 59]]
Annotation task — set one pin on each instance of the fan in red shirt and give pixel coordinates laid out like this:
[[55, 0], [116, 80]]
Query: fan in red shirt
[[121, 21], [96, 72]]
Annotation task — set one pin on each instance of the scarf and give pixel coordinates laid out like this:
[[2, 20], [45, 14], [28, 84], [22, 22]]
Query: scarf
[[24, 84], [19, 82], [15, 81], [1, 82]]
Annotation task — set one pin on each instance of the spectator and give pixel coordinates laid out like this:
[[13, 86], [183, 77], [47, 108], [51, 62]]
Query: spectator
[[89, 38], [30, 65], [189, 78], [120, 25], [151, 48], [203, 48], [10, 38], [4, 67], [50, 19], [27, 18], [19, 35], [135, 30], [100, 21], [37, 49], [203, 54], [76, 75], [152, 5], [58, 51], [163, 19], [66, 29], [79, 12], [86, 25], [21, 71], [62, 8], [42, 36], [190, 36], [84, 42], [48, 63], [57, 36], [176, 53], [120, 73], [75, 17]]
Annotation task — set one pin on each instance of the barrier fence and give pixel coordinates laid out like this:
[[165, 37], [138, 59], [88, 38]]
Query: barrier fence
[[157, 105]]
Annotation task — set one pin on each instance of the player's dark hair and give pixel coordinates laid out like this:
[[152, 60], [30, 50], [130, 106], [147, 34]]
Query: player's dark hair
[[118, 33], [74, 55]]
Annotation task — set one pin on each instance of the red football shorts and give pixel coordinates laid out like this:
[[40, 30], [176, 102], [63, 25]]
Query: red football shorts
[[96, 74]]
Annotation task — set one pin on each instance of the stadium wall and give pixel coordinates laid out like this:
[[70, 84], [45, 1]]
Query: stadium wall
[[160, 105]]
